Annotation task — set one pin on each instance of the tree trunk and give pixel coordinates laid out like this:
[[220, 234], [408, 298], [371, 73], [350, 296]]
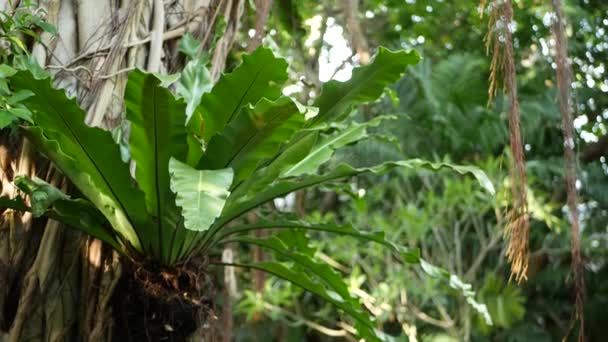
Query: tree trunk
[[55, 284]]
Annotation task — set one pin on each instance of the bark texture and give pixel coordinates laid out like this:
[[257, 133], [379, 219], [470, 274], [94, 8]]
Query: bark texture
[[55, 284]]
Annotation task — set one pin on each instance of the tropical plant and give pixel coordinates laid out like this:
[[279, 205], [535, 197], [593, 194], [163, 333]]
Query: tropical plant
[[23, 21], [199, 167]]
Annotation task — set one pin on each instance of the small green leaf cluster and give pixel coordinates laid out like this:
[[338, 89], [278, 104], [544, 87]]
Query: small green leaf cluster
[[14, 26]]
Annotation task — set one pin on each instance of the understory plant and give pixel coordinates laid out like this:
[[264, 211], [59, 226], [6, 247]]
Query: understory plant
[[201, 156]]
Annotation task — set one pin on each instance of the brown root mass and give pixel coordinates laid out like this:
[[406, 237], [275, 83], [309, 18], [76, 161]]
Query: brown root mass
[[153, 302]]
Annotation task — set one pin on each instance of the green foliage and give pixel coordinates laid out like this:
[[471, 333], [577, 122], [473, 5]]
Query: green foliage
[[253, 136], [505, 302], [200, 193], [443, 114], [157, 135], [41, 193], [324, 149], [254, 145], [194, 80], [260, 75], [87, 155], [23, 21], [366, 85]]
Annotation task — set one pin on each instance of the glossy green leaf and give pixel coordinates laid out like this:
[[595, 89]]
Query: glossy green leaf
[[44, 25], [87, 155], [19, 96], [327, 145], [200, 194], [6, 118], [81, 215], [244, 200], [260, 75], [408, 255], [291, 155], [78, 214], [167, 80], [29, 63], [288, 250], [253, 136], [21, 113], [42, 194], [331, 281], [366, 84], [193, 82], [157, 134], [411, 256], [363, 324]]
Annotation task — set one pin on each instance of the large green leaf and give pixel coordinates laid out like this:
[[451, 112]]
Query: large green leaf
[[244, 200], [408, 255], [291, 155], [335, 102], [81, 215], [260, 75], [200, 194], [287, 249], [366, 84], [253, 136], [87, 155], [363, 325], [327, 145], [78, 214], [157, 134], [12, 115], [330, 280]]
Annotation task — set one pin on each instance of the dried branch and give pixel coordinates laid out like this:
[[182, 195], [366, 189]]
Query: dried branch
[[499, 39]]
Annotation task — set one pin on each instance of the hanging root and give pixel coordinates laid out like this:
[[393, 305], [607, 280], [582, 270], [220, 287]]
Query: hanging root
[[563, 85], [499, 40]]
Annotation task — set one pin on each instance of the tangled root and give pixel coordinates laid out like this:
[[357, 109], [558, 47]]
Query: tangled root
[[154, 302]]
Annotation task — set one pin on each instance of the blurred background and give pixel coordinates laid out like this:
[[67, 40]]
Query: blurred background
[[444, 114]]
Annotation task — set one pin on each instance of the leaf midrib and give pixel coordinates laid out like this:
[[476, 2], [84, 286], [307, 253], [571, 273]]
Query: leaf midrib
[[240, 103], [156, 176], [355, 87], [97, 168], [320, 148], [256, 133]]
